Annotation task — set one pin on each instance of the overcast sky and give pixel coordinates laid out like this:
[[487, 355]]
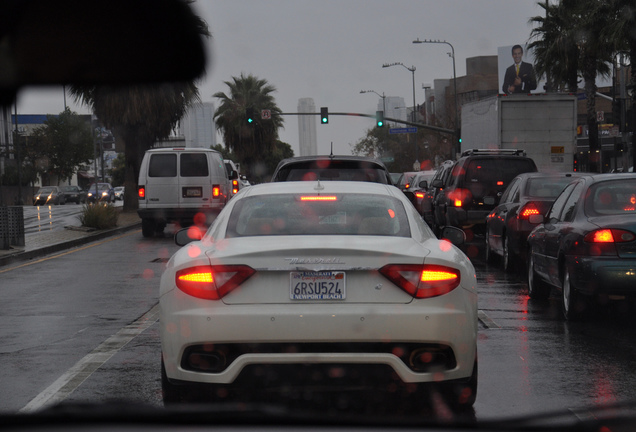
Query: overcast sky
[[329, 50]]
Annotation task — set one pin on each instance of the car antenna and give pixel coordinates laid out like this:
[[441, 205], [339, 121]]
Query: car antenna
[[331, 154]]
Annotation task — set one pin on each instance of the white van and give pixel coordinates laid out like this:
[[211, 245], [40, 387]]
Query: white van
[[175, 184]]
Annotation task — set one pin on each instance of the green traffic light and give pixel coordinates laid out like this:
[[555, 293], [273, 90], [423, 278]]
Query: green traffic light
[[325, 120], [380, 123]]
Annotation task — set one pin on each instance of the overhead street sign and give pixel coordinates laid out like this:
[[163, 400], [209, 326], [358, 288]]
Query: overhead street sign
[[403, 130]]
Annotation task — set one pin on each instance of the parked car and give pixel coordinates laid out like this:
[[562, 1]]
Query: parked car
[[475, 184], [508, 225], [178, 184], [49, 195], [586, 244], [259, 305], [328, 168], [427, 206], [119, 193], [105, 193], [71, 194]]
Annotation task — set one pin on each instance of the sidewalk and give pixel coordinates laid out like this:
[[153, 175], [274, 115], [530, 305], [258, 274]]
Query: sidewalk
[[45, 243]]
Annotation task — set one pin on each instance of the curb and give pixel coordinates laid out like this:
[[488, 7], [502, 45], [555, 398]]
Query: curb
[[45, 250]]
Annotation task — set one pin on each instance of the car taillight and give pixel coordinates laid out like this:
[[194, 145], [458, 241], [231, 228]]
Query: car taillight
[[422, 281], [141, 191], [235, 187], [608, 235], [457, 203], [212, 282], [419, 195], [528, 210], [216, 191]]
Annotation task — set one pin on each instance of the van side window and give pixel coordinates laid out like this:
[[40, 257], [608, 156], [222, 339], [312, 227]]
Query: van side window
[[163, 165], [194, 165]]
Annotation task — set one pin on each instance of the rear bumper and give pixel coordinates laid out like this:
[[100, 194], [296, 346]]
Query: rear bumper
[[601, 275], [176, 214]]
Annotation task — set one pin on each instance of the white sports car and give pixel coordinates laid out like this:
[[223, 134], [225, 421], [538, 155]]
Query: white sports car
[[318, 284]]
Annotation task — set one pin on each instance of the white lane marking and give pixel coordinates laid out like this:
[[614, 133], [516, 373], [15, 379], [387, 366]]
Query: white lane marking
[[76, 375], [486, 320]]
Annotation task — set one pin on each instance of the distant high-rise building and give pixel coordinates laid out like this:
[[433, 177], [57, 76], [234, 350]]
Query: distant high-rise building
[[307, 136], [198, 127], [393, 107]]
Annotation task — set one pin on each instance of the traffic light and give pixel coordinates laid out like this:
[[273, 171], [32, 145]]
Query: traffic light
[[250, 115], [616, 113], [379, 118], [324, 115]]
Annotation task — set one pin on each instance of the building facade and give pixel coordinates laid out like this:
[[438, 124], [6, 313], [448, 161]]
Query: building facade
[[307, 134], [197, 128]]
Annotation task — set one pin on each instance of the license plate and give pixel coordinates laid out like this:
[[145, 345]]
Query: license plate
[[317, 285], [192, 192], [489, 200]]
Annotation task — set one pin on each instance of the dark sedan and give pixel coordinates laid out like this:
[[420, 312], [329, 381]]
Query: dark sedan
[[72, 194], [48, 195], [586, 244], [508, 225]]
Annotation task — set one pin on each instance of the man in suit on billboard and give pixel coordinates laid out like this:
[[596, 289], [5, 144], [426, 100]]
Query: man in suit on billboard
[[519, 77]]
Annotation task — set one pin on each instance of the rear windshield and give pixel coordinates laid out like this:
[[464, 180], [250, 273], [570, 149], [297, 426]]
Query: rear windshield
[[326, 170], [548, 187], [194, 165], [611, 198], [343, 214], [163, 165], [486, 177]]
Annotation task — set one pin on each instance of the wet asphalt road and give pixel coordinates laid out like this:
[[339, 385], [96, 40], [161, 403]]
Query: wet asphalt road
[[81, 327]]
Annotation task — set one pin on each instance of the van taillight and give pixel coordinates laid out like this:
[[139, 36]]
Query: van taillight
[[141, 191], [216, 191], [235, 187]]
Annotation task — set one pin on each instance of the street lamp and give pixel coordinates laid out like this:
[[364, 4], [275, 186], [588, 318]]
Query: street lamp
[[412, 70], [381, 95], [452, 54]]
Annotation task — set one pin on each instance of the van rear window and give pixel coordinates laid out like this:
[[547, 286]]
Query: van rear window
[[194, 165], [163, 165]]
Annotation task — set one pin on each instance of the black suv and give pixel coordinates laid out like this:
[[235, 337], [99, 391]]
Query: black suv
[[475, 184], [342, 168]]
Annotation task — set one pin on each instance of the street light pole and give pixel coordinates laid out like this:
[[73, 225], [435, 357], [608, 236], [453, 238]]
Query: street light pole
[[413, 118], [381, 95], [457, 137]]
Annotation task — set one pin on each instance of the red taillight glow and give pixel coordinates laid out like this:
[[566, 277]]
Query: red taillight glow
[[212, 282], [419, 195], [457, 203], [216, 191], [319, 198], [235, 187], [609, 236], [422, 281], [528, 210], [499, 183], [141, 191]]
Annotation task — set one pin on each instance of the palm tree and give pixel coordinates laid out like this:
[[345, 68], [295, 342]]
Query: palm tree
[[555, 48], [139, 115], [250, 142], [580, 24], [622, 35]]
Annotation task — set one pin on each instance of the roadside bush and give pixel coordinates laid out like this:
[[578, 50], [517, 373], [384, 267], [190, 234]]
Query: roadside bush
[[99, 216]]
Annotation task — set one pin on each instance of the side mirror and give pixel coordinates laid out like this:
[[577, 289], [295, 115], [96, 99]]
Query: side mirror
[[234, 175], [535, 219], [454, 235], [423, 184], [188, 235], [437, 183]]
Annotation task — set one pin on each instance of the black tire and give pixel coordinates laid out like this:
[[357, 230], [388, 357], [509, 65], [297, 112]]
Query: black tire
[[462, 394], [148, 227], [506, 263], [490, 256], [575, 306], [537, 288]]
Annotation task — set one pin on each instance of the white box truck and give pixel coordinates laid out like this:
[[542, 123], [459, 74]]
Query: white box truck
[[543, 125]]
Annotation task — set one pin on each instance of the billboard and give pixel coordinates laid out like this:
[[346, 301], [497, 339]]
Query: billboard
[[516, 71]]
